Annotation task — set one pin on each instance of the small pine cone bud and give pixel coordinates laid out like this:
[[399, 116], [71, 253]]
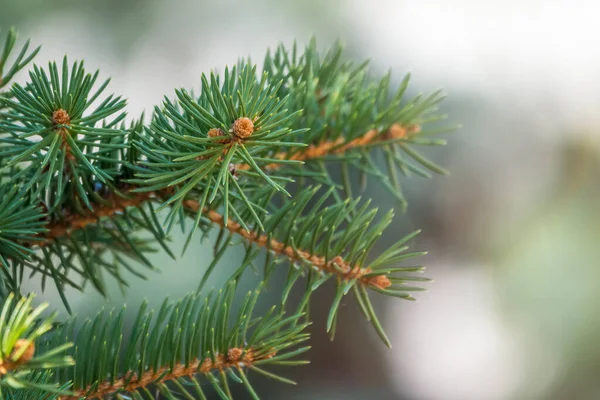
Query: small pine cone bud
[[243, 127], [234, 354], [338, 260], [60, 117], [380, 281], [214, 132], [28, 354], [397, 131], [341, 263]]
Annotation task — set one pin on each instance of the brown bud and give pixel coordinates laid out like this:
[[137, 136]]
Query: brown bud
[[380, 281], [234, 354], [214, 132], [338, 260], [243, 127], [341, 263], [27, 353], [60, 117]]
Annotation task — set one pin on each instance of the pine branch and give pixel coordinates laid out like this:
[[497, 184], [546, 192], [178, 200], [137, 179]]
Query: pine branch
[[82, 195], [341, 102], [235, 359], [189, 338], [340, 146], [171, 349], [191, 157], [332, 242], [336, 266], [196, 115], [128, 197]]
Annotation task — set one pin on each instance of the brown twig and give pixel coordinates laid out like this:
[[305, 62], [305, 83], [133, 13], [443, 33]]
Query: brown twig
[[114, 205], [235, 358], [337, 146], [337, 265]]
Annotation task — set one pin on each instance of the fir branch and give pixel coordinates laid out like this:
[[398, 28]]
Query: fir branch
[[56, 106], [128, 196], [336, 266], [162, 142], [340, 146], [342, 102], [172, 348], [235, 359], [223, 159]]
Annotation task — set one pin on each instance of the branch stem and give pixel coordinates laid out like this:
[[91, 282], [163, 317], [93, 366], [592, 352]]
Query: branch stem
[[180, 370]]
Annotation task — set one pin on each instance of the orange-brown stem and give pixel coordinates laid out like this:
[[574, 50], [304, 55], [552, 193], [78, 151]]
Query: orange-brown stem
[[336, 266], [235, 358], [74, 222], [337, 146]]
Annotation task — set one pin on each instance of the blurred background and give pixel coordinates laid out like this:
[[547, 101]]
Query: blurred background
[[513, 233]]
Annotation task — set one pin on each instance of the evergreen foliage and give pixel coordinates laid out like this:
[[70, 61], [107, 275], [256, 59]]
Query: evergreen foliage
[[86, 196]]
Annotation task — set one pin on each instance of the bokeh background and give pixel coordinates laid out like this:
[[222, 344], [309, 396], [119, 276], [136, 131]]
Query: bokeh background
[[513, 233]]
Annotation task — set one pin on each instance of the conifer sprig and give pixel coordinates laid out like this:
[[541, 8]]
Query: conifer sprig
[[51, 129], [84, 197], [328, 242], [178, 349], [181, 347], [192, 159], [192, 144], [355, 120]]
